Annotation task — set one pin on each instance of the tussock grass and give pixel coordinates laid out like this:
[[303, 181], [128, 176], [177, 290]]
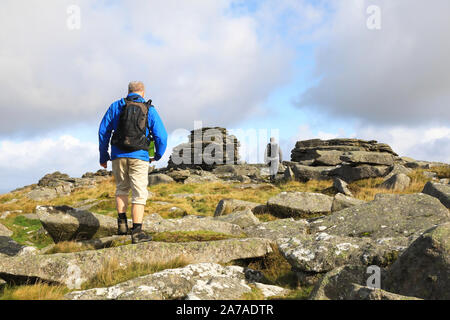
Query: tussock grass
[[39, 291], [187, 236], [112, 273], [69, 247]]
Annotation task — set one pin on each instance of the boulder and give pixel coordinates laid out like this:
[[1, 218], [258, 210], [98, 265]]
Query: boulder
[[277, 229], [159, 178], [244, 218], [204, 177], [423, 270], [179, 175], [341, 201], [305, 173], [288, 174], [10, 248], [299, 204], [73, 269], [342, 187], [438, 190], [398, 182], [351, 173], [372, 158], [396, 169], [323, 252], [349, 283], [4, 231], [327, 158], [200, 281], [64, 223], [226, 206], [42, 194], [388, 216]]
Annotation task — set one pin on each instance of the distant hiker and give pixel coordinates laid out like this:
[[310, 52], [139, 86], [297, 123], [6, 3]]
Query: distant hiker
[[134, 124], [272, 157]]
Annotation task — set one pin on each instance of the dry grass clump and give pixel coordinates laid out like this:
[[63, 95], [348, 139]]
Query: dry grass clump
[[69, 247], [38, 291]]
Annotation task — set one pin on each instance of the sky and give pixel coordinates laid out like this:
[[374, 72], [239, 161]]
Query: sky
[[296, 69]]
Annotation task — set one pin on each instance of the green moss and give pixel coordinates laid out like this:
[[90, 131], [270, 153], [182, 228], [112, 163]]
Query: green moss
[[25, 232]]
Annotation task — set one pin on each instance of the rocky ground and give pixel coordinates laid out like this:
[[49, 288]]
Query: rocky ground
[[339, 207]]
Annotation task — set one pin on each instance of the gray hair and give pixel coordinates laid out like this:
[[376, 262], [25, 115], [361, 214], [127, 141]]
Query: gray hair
[[136, 86]]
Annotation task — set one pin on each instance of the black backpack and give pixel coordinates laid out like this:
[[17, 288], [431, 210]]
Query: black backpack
[[131, 131]]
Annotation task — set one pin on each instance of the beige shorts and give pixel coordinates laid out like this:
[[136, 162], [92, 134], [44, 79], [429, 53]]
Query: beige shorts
[[131, 174]]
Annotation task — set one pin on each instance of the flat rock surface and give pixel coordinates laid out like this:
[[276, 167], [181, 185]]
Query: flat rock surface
[[438, 190], [276, 229], [299, 204], [73, 269]]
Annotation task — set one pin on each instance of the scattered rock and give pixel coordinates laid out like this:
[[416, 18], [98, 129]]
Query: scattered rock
[[438, 190], [423, 270], [64, 223], [341, 202], [398, 182], [299, 204], [226, 206], [42, 194], [159, 178], [271, 291], [10, 248], [185, 195], [351, 173], [288, 174], [396, 169], [179, 175], [243, 218], [341, 186], [204, 177], [73, 269]]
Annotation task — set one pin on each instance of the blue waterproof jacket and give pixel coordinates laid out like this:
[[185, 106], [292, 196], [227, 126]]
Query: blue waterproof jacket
[[110, 122]]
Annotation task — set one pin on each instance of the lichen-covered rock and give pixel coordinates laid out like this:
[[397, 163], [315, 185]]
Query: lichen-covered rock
[[276, 229], [388, 216], [159, 178], [341, 202], [304, 173], [202, 178], [226, 206], [438, 190], [244, 218], [73, 269], [299, 204], [349, 283], [323, 252], [64, 223], [10, 248], [41, 194], [196, 281], [397, 169], [398, 182], [192, 223], [423, 270]]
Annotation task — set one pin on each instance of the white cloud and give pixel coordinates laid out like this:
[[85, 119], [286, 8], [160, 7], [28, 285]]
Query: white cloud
[[25, 162], [198, 61]]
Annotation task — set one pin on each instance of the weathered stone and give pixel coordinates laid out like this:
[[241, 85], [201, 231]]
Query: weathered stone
[[342, 187], [327, 158], [64, 223], [438, 190], [4, 231], [288, 174], [423, 270], [226, 206], [185, 195], [73, 269], [270, 291], [304, 173], [341, 202], [372, 158], [192, 223], [204, 177], [205, 281], [398, 182], [42, 194], [323, 252], [349, 283], [351, 173], [299, 204], [244, 218], [396, 169], [277, 229], [159, 178], [10, 248], [388, 216], [179, 175]]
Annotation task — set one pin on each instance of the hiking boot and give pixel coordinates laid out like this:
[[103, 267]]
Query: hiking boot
[[138, 236], [122, 227]]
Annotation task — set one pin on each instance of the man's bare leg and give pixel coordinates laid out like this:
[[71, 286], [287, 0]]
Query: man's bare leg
[[122, 204], [137, 212]]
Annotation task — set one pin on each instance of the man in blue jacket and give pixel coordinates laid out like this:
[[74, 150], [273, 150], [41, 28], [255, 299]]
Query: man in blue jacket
[[125, 119]]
